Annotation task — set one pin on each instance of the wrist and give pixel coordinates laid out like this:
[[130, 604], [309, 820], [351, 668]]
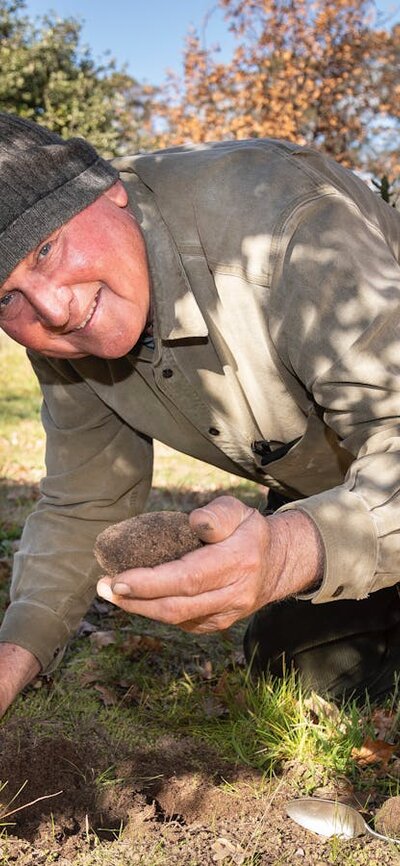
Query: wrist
[[18, 667], [297, 553]]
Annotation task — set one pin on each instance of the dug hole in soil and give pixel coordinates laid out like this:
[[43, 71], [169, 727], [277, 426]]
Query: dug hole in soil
[[177, 797]]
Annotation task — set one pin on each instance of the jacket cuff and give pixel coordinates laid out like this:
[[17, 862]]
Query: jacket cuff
[[349, 541], [37, 629]]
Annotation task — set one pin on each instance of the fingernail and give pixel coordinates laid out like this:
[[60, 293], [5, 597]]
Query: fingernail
[[121, 589], [104, 591], [204, 527]]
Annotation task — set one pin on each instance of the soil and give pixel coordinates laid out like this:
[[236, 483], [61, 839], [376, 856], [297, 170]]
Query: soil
[[145, 541], [172, 803], [387, 819]]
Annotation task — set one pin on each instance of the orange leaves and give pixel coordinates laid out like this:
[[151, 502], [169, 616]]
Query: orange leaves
[[373, 752], [378, 751], [307, 71]]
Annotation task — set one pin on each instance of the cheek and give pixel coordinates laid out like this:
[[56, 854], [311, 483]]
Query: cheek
[[12, 329], [25, 332]]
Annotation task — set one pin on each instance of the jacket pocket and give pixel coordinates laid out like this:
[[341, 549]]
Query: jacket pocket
[[311, 464]]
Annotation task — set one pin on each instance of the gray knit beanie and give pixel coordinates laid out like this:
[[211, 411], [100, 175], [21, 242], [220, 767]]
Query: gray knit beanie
[[44, 181]]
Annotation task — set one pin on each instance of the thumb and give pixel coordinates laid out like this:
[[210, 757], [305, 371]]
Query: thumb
[[219, 518]]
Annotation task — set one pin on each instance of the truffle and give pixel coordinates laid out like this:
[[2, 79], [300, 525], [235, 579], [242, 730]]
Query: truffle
[[145, 541]]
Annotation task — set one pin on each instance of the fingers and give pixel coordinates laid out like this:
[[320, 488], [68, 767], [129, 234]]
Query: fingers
[[193, 614], [208, 589], [196, 572], [219, 518], [193, 574]]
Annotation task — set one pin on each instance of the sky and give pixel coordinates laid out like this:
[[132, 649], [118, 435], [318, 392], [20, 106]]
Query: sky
[[148, 35]]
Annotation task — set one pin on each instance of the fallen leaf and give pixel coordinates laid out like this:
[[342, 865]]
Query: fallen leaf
[[213, 708], [206, 670], [100, 639], [107, 696], [223, 849], [322, 708], [383, 721], [373, 752], [238, 659], [136, 644], [87, 678], [132, 692], [222, 685], [225, 694]]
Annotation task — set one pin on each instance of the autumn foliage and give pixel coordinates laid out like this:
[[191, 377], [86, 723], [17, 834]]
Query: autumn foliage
[[318, 72]]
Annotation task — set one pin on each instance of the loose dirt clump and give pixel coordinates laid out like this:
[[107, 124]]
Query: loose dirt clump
[[387, 819], [145, 541]]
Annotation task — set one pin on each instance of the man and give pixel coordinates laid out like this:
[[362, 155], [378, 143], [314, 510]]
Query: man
[[239, 302]]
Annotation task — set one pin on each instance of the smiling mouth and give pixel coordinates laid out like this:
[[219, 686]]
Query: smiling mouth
[[89, 313]]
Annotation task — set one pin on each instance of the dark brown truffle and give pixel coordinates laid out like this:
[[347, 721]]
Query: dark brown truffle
[[145, 541]]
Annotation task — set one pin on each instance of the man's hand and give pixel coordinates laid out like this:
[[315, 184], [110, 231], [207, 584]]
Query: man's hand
[[249, 561], [17, 668]]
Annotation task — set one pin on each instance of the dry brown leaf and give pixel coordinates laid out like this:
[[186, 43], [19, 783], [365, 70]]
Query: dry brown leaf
[[222, 685], [373, 752], [383, 721], [107, 696], [238, 659], [132, 692], [100, 639], [322, 708], [87, 678], [224, 849], [213, 708], [136, 644], [206, 670]]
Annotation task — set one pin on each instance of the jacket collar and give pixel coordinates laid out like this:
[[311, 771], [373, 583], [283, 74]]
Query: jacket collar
[[177, 314]]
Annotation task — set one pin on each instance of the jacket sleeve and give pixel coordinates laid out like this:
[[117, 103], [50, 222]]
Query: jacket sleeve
[[98, 472], [336, 327]]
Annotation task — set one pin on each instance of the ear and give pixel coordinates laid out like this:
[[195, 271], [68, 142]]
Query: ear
[[117, 194]]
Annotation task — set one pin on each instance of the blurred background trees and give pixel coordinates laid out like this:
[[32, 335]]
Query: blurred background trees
[[47, 75], [319, 72]]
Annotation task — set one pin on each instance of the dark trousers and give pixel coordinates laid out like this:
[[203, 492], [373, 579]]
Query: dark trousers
[[341, 649]]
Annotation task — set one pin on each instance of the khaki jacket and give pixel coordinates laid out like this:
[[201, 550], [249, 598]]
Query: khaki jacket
[[276, 286]]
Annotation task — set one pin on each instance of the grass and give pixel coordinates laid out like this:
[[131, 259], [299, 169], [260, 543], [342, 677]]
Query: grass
[[182, 685]]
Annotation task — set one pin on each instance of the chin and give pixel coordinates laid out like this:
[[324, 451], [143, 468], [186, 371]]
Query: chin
[[118, 349]]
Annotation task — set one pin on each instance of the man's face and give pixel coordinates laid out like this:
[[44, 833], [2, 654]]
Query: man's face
[[85, 289]]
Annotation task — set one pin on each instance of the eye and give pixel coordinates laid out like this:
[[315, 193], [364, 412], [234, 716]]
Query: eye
[[6, 300], [10, 305], [44, 250]]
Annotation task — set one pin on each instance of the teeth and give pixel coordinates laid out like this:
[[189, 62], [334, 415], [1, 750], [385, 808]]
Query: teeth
[[89, 315]]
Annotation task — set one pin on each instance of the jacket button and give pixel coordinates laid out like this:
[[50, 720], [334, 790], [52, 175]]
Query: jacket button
[[213, 431], [167, 373], [338, 591]]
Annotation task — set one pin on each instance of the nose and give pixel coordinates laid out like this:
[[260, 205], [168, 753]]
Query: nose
[[51, 301]]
